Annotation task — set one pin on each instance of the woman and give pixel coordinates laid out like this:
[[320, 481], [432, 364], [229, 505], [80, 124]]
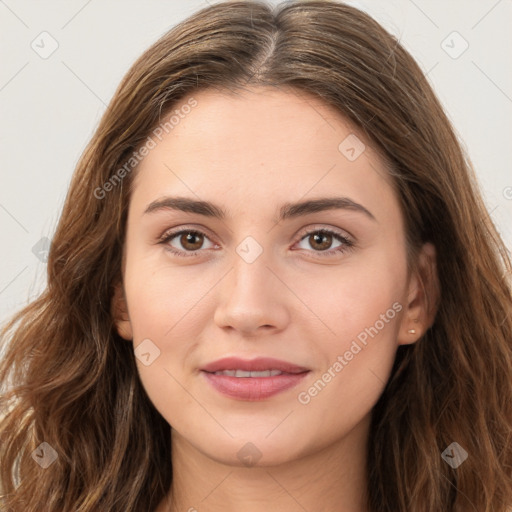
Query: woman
[[274, 285]]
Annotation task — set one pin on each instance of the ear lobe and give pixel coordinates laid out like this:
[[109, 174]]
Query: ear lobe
[[119, 311], [423, 297]]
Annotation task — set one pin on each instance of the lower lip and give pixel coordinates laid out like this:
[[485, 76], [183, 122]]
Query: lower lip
[[253, 388]]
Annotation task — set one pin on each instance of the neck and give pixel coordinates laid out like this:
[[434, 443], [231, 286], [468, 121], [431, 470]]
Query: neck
[[331, 479]]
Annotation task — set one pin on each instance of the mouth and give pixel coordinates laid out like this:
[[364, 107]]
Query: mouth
[[244, 374], [252, 380]]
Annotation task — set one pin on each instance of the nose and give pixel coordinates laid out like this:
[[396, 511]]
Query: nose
[[251, 298]]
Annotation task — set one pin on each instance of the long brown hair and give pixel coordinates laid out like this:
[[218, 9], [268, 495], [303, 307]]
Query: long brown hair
[[69, 380]]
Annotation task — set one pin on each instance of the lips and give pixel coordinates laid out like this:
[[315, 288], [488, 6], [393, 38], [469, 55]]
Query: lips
[[243, 373], [255, 379], [253, 365]]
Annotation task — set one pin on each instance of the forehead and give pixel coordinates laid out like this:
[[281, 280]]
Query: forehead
[[259, 143], [256, 119]]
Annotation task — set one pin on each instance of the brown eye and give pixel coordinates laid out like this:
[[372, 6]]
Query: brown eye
[[320, 240], [191, 240], [186, 242]]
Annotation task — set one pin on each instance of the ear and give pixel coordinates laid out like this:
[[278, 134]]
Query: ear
[[422, 298], [119, 311]]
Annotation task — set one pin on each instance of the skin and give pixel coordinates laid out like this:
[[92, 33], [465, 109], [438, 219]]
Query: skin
[[251, 152]]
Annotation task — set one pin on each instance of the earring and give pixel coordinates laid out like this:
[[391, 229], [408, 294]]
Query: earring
[[412, 331]]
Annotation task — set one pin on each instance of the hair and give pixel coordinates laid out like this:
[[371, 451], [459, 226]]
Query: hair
[[70, 380]]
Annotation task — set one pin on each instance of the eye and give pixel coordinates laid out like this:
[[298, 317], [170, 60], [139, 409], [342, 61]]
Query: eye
[[322, 239], [189, 242]]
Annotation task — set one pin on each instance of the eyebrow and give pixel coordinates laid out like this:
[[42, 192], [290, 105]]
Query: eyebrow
[[287, 210]]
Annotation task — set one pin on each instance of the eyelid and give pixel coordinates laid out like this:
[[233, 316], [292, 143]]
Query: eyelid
[[323, 227], [185, 227]]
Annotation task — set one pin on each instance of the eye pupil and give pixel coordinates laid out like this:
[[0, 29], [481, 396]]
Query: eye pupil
[[325, 236]]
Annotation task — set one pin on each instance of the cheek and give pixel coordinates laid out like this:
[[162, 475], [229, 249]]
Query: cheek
[[162, 297], [360, 344], [163, 304], [362, 295], [357, 359], [361, 306]]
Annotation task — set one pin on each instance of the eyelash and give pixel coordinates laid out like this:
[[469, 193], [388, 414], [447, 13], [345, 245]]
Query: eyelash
[[346, 246]]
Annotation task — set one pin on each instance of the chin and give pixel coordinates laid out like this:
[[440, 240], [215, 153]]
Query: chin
[[253, 448]]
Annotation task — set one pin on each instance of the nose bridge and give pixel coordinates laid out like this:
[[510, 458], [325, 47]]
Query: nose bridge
[[251, 298], [251, 276]]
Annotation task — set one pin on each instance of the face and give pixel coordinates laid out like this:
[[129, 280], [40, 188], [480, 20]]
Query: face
[[316, 298]]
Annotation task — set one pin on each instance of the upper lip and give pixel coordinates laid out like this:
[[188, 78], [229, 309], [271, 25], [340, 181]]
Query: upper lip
[[258, 364]]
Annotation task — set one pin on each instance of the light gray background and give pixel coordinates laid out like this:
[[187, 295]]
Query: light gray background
[[50, 107]]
